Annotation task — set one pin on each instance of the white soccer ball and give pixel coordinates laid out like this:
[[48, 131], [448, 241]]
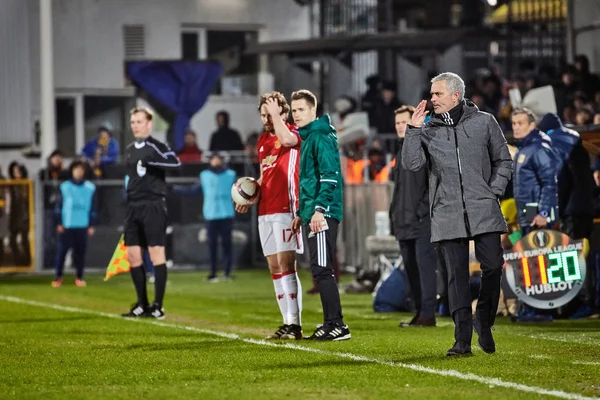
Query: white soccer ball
[[245, 191]]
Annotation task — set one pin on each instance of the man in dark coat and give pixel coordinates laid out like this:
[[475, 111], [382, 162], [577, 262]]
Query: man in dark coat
[[225, 138], [575, 179], [470, 166], [535, 179], [409, 214]]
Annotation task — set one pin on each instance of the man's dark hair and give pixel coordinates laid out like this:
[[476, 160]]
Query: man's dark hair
[[78, 163], [530, 115], [279, 97], [307, 95]]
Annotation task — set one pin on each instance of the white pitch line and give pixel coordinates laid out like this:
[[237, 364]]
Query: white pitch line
[[537, 336], [490, 382], [586, 362]]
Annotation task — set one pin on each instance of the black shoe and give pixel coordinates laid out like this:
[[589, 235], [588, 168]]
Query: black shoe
[[294, 332], [136, 311], [318, 334], [460, 349], [410, 323], [282, 330], [486, 340], [336, 333], [156, 311], [419, 322]]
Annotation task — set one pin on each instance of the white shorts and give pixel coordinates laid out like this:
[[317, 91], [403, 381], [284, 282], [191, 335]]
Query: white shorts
[[275, 231]]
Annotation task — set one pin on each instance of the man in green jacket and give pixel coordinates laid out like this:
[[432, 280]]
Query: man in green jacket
[[320, 208]]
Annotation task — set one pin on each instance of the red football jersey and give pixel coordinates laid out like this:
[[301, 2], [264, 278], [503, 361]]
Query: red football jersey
[[280, 168]]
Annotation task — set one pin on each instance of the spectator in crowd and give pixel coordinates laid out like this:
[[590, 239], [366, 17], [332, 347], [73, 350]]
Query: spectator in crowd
[[4, 202], [597, 119], [75, 218], [377, 170], [411, 224], [385, 107], [253, 165], [372, 96], [215, 184], [575, 180], [101, 150], [583, 117], [492, 94], [478, 99], [225, 138], [596, 105], [51, 176], [535, 185], [588, 83], [190, 153], [19, 218]]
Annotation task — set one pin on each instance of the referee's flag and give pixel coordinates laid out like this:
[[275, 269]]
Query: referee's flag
[[118, 263]]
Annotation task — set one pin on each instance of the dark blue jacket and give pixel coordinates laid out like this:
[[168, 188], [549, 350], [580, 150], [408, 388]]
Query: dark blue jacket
[[535, 176], [112, 152], [575, 179]]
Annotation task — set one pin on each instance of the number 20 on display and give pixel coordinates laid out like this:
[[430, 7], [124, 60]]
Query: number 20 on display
[[567, 262]]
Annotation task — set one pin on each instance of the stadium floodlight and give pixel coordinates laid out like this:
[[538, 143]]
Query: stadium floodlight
[[493, 3]]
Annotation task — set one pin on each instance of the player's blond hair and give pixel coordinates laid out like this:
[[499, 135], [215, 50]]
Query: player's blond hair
[[149, 114]]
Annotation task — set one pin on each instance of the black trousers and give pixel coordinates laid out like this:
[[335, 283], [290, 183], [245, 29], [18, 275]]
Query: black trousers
[[220, 228], [322, 249], [76, 239], [454, 254], [420, 264]]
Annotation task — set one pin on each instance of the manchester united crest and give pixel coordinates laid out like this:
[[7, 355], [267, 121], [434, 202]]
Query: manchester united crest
[[277, 144]]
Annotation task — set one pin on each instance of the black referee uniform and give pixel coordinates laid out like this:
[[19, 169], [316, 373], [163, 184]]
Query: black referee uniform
[[146, 217]]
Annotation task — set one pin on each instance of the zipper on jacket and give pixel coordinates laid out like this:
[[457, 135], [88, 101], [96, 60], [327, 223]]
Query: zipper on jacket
[[462, 188]]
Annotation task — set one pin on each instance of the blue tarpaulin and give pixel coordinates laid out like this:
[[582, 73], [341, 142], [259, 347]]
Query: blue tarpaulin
[[181, 86]]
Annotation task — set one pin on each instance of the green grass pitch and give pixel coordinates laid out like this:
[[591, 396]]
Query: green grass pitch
[[69, 343]]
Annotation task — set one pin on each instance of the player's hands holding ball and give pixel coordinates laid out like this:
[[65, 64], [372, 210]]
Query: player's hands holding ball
[[242, 209], [244, 193]]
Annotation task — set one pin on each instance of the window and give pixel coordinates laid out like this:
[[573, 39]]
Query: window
[[241, 70]]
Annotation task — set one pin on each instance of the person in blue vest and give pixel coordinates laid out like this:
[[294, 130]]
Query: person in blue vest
[[75, 217], [215, 184]]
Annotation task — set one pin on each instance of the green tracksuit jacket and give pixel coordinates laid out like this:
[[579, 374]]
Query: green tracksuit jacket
[[320, 171]]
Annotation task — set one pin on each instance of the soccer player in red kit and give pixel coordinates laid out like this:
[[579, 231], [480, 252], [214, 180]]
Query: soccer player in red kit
[[279, 156]]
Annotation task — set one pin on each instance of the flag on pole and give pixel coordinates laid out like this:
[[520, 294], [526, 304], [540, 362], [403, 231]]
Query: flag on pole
[[118, 263]]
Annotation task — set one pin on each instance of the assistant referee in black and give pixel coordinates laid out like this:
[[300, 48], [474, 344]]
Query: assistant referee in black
[[148, 160]]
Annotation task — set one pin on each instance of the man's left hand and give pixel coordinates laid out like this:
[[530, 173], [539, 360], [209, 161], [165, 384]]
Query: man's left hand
[[273, 108], [316, 222], [91, 231], [539, 221]]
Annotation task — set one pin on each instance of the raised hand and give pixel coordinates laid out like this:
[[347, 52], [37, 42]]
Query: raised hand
[[418, 117], [273, 107]]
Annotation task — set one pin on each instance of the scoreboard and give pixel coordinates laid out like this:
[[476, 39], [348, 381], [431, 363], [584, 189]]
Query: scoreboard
[[546, 268]]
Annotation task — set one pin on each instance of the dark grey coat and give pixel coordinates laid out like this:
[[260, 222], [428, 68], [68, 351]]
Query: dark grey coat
[[469, 165]]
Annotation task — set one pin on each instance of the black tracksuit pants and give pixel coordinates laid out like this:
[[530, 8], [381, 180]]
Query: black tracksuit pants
[[76, 239], [454, 255], [322, 248], [420, 264]]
